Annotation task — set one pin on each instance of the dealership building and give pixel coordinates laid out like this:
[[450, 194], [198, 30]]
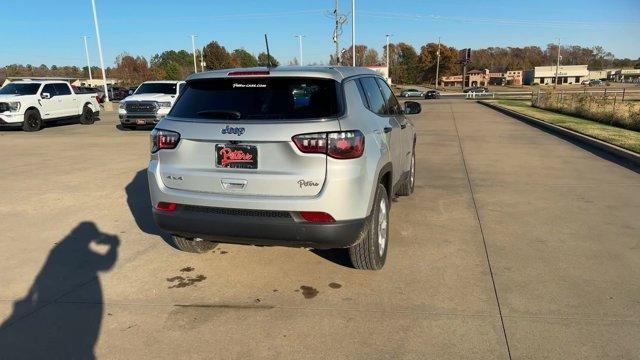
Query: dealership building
[[546, 75]]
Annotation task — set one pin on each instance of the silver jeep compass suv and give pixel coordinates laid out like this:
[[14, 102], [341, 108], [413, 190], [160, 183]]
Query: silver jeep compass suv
[[291, 156]]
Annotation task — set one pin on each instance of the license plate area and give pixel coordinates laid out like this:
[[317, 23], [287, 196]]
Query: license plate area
[[141, 121], [234, 156]]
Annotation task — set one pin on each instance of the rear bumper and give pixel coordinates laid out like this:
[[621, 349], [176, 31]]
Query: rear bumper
[[258, 230]]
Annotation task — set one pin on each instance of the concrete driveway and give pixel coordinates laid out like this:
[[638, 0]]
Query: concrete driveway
[[515, 244]]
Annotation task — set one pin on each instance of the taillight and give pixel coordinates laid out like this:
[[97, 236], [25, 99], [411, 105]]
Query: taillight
[[316, 216], [338, 145], [166, 206], [163, 139]]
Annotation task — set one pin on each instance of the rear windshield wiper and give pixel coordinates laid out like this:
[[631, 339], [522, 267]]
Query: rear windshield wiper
[[222, 114]]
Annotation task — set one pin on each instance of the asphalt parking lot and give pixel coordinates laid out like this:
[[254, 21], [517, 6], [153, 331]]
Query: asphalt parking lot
[[515, 244]]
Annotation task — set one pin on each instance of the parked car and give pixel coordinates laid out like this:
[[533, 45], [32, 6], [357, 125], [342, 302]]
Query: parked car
[[117, 93], [411, 93], [149, 103], [596, 82], [432, 94], [31, 104], [240, 160], [476, 89], [584, 82]]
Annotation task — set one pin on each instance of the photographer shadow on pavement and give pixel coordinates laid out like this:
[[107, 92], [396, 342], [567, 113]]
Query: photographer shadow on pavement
[[139, 203], [45, 325]]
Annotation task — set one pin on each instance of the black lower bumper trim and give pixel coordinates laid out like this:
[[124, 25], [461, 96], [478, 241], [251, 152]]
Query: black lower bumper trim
[[255, 230]]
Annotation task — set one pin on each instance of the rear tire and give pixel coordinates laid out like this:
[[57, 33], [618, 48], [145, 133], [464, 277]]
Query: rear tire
[[87, 117], [32, 121], [409, 183], [193, 246], [370, 253]]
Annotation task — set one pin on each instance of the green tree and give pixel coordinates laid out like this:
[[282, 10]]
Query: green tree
[[216, 56], [242, 58], [173, 71], [263, 60]]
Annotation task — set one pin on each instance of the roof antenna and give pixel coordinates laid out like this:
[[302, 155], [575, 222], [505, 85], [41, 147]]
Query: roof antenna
[[266, 40]]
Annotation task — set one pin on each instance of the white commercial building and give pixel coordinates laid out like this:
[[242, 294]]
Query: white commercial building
[[546, 75]]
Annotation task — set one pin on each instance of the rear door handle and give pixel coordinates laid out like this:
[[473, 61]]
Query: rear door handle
[[388, 129], [403, 125]]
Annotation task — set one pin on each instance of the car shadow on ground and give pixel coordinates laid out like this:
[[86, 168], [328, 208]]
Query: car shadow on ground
[[135, 128], [139, 203], [42, 325]]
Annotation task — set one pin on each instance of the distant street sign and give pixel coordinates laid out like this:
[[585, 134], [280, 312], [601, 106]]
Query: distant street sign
[[464, 56]]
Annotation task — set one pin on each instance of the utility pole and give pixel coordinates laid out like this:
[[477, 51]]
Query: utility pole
[[388, 65], [438, 64], [86, 51], [557, 63], [104, 73], [193, 46], [353, 32], [336, 33], [300, 45]]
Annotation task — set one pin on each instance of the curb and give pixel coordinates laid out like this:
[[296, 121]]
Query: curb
[[569, 134]]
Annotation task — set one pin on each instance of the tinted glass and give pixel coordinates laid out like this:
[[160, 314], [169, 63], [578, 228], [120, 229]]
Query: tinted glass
[[20, 89], [392, 106], [62, 89], [181, 88], [157, 88], [258, 98], [50, 89], [374, 96]]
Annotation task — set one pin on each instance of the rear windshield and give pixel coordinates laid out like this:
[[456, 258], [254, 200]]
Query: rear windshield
[[258, 98], [20, 89], [157, 88]]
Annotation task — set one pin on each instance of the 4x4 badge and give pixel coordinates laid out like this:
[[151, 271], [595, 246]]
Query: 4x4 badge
[[233, 130]]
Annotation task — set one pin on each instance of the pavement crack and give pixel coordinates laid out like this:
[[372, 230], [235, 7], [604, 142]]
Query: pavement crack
[[484, 241]]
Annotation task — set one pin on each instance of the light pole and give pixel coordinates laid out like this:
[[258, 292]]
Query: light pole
[[557, 63], [438, 64], [388, 65], [86, 51], [353, 32], [104, 73], [193, 46], [300, 44]]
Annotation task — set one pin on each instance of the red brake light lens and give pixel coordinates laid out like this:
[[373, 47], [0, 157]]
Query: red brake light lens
[[248, 73], [317, 216], [163, 139], [346, 144], [338, 145], [166, 206], [311, 143]]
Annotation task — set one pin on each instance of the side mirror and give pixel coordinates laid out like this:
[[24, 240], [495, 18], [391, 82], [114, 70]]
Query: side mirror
[[412, 108], [45, 96]]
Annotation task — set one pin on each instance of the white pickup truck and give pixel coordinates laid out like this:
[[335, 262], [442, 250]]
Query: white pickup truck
[[151, 101], [31, 104]]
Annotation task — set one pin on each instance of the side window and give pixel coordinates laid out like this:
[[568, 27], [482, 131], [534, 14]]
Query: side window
[[50, 89], [374, 96], [363, 97], [393, 107], [62, 89]]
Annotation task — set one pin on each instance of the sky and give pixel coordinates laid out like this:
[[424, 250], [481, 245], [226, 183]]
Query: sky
[[50, 31]]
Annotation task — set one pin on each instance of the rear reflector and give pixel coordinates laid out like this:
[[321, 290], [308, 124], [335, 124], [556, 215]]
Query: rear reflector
[[317, 216], [248, 73], [166, 206]]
